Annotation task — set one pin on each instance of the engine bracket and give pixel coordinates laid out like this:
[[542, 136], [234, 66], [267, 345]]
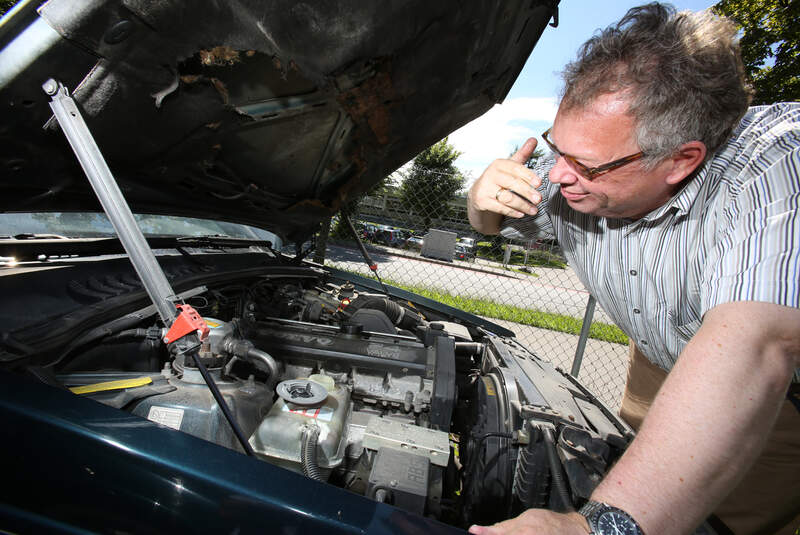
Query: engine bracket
[[187, 322]]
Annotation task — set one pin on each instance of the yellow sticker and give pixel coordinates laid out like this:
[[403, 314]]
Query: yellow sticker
[[111, 385], [213, 324], [489, 387]]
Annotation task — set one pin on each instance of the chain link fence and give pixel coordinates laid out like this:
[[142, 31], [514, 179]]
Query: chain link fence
[[430, 248]]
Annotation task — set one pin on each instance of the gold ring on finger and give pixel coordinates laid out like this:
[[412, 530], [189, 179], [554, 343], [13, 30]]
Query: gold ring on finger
[[497, 195]]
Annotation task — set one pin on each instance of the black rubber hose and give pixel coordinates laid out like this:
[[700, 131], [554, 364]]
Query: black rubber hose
[[130, 334], [226, 411], [466, 349], [556, 474], [400, 316], [97, 333], [308, 453]]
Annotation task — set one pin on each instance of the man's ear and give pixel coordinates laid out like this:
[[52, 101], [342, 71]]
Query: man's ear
[[688, 157]]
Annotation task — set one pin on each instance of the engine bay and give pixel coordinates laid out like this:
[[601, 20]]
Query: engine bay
[[385, 397]]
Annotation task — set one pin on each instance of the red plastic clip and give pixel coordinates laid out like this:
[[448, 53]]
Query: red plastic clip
[[187, 322]]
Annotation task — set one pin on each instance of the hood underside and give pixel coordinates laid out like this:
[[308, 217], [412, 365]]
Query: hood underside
[[272, 114]]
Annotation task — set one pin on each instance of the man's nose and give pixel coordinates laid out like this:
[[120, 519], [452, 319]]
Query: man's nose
[[562, 173]]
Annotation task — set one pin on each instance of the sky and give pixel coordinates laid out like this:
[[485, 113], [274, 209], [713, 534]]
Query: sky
[[530, 106]]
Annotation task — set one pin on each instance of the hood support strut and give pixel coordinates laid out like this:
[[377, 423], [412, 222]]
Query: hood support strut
[[111, 198], [186, 328]]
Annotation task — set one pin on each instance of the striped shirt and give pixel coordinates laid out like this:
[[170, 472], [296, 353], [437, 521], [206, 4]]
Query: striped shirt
[[732, 233]]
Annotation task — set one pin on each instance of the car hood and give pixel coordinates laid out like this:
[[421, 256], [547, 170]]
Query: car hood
[[273, 114]]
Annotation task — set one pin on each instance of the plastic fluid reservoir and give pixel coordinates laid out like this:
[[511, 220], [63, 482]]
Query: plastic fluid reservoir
[[278, 438]]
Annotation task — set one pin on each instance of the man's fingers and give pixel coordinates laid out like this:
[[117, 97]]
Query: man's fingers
[[483, 530], [525, 151], [511, 211], [512, 175], [507, 187], [522, 203]]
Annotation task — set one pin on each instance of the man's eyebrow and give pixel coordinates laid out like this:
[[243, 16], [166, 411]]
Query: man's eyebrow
[[582, 159], [587, 160]]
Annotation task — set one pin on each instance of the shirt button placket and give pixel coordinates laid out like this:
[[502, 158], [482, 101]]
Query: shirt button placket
[[634, 282]]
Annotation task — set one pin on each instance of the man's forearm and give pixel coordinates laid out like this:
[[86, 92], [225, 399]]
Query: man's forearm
[[706, 427]]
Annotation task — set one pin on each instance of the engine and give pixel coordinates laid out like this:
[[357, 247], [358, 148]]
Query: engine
[[388, 399]]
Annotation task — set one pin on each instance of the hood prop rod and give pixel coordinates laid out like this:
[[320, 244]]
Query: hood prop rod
[[373, 266], [186, 328]]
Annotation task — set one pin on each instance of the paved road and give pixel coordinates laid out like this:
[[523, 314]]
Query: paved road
[[549, 290]]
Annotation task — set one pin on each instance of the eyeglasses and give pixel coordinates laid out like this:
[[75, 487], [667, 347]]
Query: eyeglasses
[[590, 173]]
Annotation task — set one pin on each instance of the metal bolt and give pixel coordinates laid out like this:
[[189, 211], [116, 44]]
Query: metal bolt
[[50, 87], [118, 32]]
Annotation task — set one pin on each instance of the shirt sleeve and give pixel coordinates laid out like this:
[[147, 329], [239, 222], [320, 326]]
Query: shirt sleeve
[[756, 256]]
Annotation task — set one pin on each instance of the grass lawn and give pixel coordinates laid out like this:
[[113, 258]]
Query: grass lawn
[[524, 316]]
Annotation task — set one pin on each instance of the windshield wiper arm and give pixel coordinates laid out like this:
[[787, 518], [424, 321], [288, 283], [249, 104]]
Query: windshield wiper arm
[[31, 249], [219, 240], [31, 236]]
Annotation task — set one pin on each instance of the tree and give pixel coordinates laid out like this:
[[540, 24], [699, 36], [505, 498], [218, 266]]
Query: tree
[[770, 45], [531, 163], [383, 186], [432, 182]]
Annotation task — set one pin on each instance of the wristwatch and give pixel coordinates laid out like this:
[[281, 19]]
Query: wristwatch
[[606, 520]]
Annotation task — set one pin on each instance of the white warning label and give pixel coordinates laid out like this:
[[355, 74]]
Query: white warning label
[[166, 416], [324, 414]]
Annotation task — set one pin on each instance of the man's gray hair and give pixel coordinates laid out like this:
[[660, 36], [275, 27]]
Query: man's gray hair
[[682, 74]]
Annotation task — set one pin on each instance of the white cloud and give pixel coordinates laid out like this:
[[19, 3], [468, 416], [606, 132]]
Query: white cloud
[[498, 131]]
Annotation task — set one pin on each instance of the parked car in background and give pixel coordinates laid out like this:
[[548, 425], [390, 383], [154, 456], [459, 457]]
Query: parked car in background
[[468, 243], [463, 252], [415, 242], [368, 231], [391, 237]]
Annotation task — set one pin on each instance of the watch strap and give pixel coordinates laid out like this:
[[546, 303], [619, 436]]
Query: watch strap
[[590, 507], [591, 510]]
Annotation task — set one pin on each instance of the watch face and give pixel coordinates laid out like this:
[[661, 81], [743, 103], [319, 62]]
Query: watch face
[[616, 523]]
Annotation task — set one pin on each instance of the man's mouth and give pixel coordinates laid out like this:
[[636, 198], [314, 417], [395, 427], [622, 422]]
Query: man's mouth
[[573, 196]]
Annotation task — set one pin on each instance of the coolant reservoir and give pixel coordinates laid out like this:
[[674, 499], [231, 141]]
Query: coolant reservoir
[[278, 439]]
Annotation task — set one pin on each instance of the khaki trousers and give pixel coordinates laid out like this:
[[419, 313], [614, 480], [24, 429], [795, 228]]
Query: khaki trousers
[[767, 501]]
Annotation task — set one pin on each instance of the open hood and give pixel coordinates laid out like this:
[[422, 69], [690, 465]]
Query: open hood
[[272, 114]]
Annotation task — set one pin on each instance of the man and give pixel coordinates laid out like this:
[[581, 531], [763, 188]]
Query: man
[[678, 209]]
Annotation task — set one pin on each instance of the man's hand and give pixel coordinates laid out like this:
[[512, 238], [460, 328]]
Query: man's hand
[[538, 522], [506, 188]]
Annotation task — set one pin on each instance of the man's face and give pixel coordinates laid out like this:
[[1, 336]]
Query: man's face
[[601, 133]]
